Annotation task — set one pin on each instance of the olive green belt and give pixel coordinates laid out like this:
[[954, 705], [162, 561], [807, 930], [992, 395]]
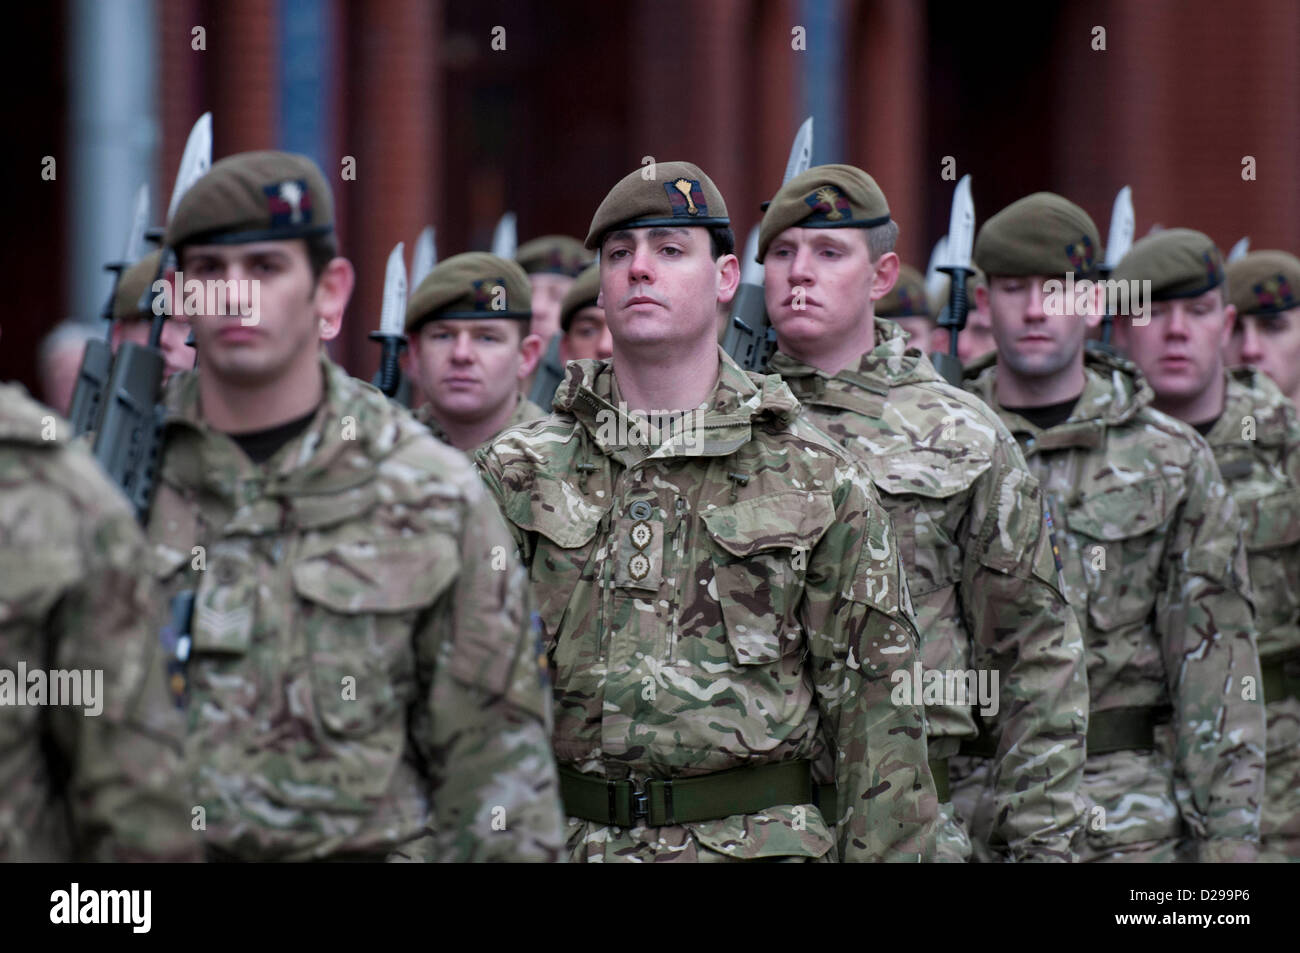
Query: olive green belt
[[657, 802], [1115, 729], [1277, 684]]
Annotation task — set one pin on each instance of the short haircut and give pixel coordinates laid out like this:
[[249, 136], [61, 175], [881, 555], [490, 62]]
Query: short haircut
[[881, 239], [722, 241]]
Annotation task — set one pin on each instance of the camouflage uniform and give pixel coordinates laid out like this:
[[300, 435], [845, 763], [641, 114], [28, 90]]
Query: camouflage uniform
[[525, 410], [1256, 442], [1155, 568], [982, 578], [736, 602], [77, 786], [362, 672]]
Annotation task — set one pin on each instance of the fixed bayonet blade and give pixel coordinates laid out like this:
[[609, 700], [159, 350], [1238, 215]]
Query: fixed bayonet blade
[[935, 280], [961, 228], [392, 318], [505, 239], [195, 160], [751, 272], [1239, 249], [1122, 223], [800, 151], [134, 249], [424, 257]]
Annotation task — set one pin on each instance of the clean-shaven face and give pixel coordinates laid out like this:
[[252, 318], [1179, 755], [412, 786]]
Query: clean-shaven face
[[548, 293], [1270, 342], [1030, 341], [1180, 351], [285, 331], [469, 368], [588, 336], [659, 285], [818, 284]]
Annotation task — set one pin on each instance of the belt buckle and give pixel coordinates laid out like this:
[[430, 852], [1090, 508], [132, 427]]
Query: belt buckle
[[639, 802]]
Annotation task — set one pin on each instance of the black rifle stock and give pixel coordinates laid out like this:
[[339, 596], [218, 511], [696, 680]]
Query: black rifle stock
[[750, 338], [96, 365], [130, 427]]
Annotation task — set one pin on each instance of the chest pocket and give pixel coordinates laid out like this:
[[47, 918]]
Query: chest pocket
[[1121, 550], [760, 553], [920, 489], [1272, 522], [360, 603], [566, 527]]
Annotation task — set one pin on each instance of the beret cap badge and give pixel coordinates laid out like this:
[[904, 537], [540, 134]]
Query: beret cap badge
[[687, 197]]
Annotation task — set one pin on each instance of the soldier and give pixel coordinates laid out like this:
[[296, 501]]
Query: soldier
[[1151, 552], [467, 326], [551, 262], [720, 594], [582, 319], [132, 324], [1253, 431], [361, 682], [1265, 289], [969, 517], [103, 781], [906, 305]]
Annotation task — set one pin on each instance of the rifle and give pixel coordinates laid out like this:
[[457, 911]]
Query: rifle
[[129, 429], [1240, 249], [750, 337], [957, 265], [1118, 241], [97, 361]]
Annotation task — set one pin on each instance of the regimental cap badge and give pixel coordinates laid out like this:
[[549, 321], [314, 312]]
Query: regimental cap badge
[[687, 198], [1081, 254], [828, 204], [289, 202], [1274, 294], [487, 297]]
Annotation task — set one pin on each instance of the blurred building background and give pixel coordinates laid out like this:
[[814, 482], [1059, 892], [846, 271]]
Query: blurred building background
[[447, 131]]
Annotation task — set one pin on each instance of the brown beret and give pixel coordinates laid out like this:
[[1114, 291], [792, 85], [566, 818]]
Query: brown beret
[[553, 255], [1040, 234], [582, 294], [254, 197], [466, 286], [825, 196], [1179, 263], [678, 194], [907, 298], [1264, 282], [133, 284]]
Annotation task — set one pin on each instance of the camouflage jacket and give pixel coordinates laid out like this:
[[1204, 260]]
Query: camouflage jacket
[[525, 410], [1155, 568], [1256, 442], [727, 596], [362, 672], [969, 519], [100, 776]]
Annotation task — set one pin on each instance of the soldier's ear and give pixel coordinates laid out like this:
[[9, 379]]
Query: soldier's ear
[[887, 267], [1229, 320], [530, 352], [728, 277], [333, 290]]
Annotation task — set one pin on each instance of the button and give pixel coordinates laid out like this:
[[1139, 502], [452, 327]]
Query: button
[[640, 510]]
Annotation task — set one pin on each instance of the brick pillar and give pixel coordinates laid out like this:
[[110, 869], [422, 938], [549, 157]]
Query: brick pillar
[[180, 93], [392, 131], [242, 72], [886, 67]]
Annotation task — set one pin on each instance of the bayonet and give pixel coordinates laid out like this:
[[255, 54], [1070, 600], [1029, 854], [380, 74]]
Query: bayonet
[[750, 338], [424, 257], [505, 239], [392, 318], [1118, 241], [1240, 249], [956, 264]]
